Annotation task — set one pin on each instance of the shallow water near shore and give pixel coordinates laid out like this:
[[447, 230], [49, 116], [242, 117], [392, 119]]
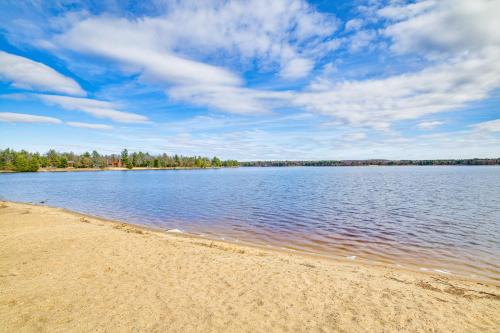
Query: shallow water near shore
[[445, 219]]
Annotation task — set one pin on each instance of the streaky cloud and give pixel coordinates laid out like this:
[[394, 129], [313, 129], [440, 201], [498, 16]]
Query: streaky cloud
[[27, 74], [12, 117], [96, 108], [89, 125], [489, 126]]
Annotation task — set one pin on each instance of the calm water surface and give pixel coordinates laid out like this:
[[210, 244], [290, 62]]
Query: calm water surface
[[439, 218]]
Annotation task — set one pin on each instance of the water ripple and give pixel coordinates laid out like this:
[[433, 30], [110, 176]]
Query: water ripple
[[442, 218]]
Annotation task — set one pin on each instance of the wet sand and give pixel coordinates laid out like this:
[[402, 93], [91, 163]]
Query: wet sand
[[66, 272]]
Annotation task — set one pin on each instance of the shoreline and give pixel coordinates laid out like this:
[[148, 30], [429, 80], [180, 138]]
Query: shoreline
[[112, 169], [373, 260], [74, 243], [428, 270], [215, 168]]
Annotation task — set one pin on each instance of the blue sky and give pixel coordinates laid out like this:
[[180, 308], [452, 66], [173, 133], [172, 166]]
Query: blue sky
[[283, 79]]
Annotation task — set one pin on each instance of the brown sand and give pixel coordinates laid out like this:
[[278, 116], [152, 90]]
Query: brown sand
[[117, 169], [64, 272]]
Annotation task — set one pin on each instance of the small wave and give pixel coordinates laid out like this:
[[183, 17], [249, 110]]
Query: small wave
[[442, 271], [176, 231], [351, 257]]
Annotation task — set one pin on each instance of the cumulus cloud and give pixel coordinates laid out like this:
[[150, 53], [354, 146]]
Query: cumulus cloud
[[361, 40], [429, 125], [296, 68], [433, 28], [11, 117], [466, 32], [89, 125], [24, 73], [197, 53], [271, 32], [253, 31], [379, 102], [96, 108], [177, 47]]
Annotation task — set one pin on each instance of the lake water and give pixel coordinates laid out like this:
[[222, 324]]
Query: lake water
[[445, 219]]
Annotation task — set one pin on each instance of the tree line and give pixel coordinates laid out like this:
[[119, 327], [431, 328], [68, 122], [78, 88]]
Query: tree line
[[24, 161], [474, 161]]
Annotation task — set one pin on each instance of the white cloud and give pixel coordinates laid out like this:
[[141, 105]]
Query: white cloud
[[272, 32], [353, 25], [395, 12], [317, 143], [361, 40], [11, 117], [230, 99], [355, 136], [182, 50], [444, 27], [463, 32], [174, 48], [488, 126], [297, 68], [379, 102], [138, 45], [96, 108], [89, 125], [28, 74], [428, 125]]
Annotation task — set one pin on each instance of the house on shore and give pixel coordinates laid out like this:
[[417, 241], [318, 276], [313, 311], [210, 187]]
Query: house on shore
[[114, 163]]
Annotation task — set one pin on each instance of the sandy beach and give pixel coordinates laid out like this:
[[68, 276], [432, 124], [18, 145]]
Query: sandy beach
[[66, 272]]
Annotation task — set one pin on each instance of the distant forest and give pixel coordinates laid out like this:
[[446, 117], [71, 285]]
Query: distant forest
[[475, 161], [23, 161]]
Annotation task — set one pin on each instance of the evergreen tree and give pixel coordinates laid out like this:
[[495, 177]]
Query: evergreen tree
[[125, 157], [25, 161], [21, 162], [33, 164], [216, 162], [63, 162]]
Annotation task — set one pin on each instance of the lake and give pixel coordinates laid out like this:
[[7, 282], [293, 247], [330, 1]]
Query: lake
[[440, 218]]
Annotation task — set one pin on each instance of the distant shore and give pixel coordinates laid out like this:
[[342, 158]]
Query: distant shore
[[64, 271], [242, 166], [111, 169]]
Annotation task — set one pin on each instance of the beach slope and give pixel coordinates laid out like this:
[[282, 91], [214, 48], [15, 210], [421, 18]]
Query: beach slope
[[65, 272]]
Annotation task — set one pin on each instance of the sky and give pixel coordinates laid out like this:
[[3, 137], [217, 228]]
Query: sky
[[253, 80]]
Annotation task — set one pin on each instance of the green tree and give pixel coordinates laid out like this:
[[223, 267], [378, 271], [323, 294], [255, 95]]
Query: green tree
[[95, 159], [216, 162], [44, 161], [198, 162], [63, 162], [125, 157], [21, 162], [33, 164], [53, 158], [25, 161]]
